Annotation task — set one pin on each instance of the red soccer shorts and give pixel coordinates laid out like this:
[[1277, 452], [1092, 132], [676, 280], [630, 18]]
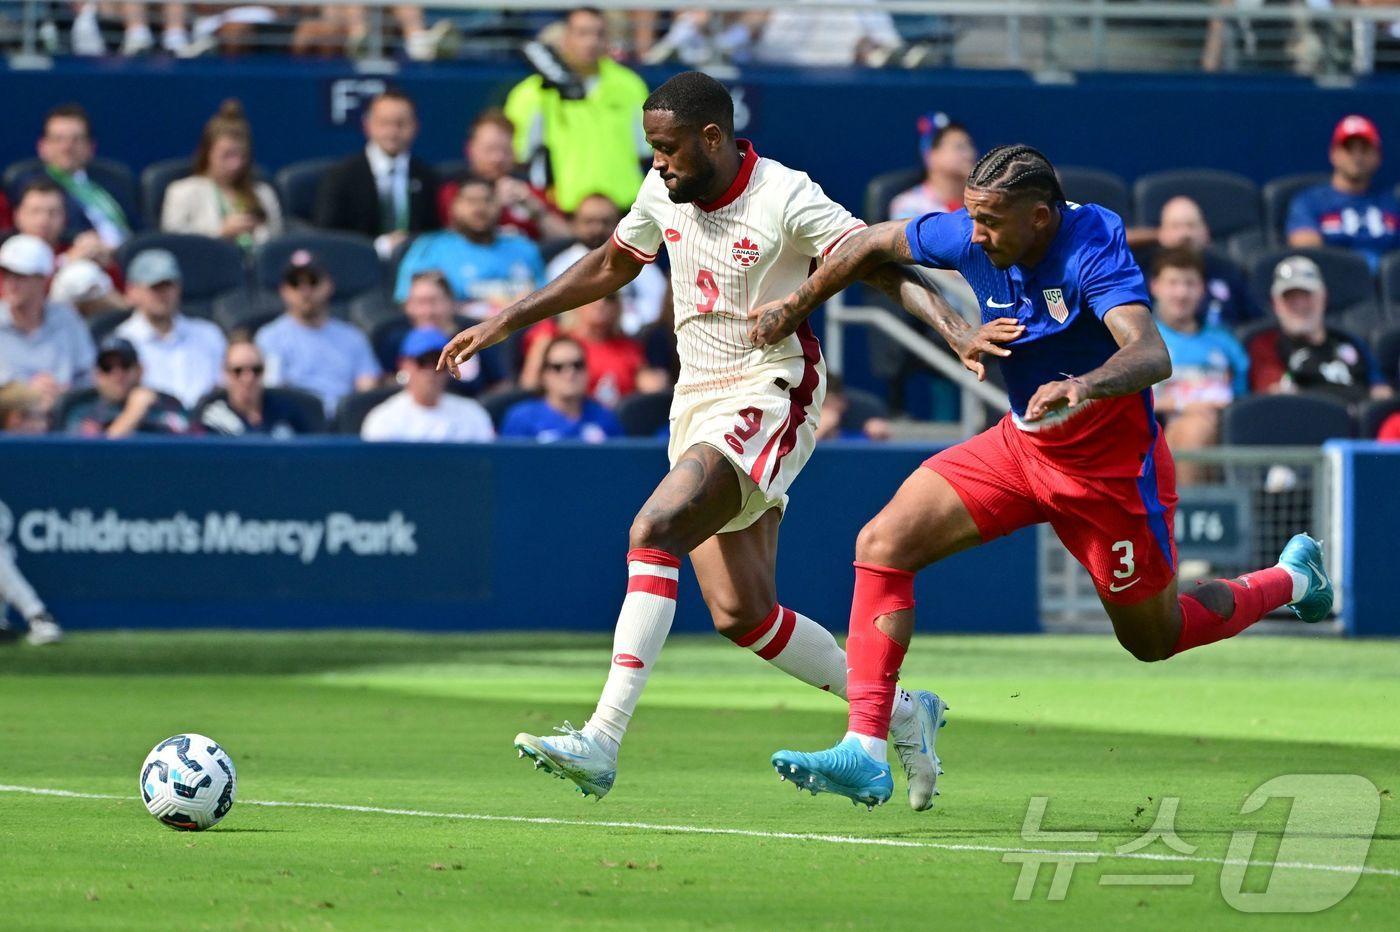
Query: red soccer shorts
[[1119, 529]]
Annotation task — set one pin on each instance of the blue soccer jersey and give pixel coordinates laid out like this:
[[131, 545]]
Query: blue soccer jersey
[[1086, 272]]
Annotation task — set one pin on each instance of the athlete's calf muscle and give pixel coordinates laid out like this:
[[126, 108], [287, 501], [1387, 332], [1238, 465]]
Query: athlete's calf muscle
[[696, 498]]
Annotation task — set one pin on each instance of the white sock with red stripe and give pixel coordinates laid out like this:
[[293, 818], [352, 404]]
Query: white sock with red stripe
[[807, 651], [799, 647], [642, 626]]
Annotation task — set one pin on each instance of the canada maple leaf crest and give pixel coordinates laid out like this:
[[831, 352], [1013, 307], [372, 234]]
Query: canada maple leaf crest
[[746, 252]]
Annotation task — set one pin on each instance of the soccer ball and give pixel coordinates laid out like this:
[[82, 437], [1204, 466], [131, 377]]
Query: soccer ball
[[188, 782]]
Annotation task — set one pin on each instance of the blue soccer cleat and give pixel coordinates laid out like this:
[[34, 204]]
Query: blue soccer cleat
[[845, 769], [1303, 555]]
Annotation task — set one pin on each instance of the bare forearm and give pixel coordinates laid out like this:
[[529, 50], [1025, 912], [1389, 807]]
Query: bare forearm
[[858, 257], [1137, 365], [596, 275], [922, 298]]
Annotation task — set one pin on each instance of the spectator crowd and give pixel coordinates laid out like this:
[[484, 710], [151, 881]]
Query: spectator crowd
[[321, 302]]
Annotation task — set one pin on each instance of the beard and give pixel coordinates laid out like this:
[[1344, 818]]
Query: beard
[[694, 187]]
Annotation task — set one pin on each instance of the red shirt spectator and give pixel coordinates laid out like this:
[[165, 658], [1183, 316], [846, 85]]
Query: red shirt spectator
[[616, 362], [491, 157], [1390, 429]]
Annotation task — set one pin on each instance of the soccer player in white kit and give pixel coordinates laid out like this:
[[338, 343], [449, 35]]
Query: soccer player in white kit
[[741, 230]]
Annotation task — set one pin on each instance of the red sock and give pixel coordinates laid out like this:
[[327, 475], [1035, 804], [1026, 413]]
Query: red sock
[[1256, 594], [872, 658]]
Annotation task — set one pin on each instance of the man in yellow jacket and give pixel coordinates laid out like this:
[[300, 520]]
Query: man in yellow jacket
[[582, 135]]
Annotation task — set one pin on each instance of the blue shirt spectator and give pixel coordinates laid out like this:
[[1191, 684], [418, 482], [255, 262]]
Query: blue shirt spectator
[[1208, 365], [565, 412], [307, 348], [536, 420], [487, 270], [1346, 212]]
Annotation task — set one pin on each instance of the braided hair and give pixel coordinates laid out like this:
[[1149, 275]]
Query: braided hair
[[1017, 170]]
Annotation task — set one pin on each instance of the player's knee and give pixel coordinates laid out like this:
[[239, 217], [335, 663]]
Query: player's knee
[[735, 620], [1149, 652], [652, 532], [877, 543]]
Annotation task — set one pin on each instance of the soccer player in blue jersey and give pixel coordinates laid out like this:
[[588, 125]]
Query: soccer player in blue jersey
[[1066, 309]]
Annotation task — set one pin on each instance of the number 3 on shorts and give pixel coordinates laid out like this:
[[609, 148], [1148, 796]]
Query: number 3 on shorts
[[1126, 558]]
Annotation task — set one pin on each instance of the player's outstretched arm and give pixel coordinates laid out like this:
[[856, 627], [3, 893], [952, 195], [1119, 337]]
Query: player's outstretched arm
[[597, 275], [1141, 362], [907, 286], [859, 255]]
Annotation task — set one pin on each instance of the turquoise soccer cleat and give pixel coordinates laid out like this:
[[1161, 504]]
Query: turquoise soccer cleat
[[1303, 555], [845, 769]]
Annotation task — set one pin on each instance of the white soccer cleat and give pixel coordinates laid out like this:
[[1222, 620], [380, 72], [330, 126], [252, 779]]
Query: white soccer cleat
[[43, 630], [913, 737], [573, 755]]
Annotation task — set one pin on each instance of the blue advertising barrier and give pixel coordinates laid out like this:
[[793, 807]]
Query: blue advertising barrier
[[335, 532], [1126, 123], [1368, 498]]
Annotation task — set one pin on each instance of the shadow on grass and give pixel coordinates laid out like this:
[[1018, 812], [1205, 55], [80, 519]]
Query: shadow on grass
[[233, 653]]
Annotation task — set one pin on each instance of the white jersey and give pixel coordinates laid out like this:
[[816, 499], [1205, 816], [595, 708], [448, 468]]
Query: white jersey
[[756, 244]]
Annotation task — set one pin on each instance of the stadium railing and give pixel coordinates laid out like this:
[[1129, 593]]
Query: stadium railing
[[1047, 36], [1250, 502]]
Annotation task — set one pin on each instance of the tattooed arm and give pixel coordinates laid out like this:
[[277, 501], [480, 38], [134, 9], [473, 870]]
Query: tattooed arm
[[880, 256], [1141, 361], [860, 255]]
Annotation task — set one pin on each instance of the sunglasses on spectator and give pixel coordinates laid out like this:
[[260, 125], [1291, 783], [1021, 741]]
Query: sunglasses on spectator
[[304, 281], [575, 365], [241, 371], [115, 363]]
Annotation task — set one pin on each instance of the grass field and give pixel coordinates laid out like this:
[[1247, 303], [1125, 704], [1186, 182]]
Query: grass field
[[425, 724]]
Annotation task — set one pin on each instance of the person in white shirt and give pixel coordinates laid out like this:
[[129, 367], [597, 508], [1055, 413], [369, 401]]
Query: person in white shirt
[[592, 224], [181, 356], [423, 410], [43, 343]]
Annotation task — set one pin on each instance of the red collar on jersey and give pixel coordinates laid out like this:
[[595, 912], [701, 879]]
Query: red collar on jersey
[[741, 181]]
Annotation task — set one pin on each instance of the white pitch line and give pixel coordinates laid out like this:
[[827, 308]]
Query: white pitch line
[[747, 833]]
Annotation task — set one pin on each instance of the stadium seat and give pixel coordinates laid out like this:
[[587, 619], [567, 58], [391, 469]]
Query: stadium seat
[[451, 168], [1373, 414], [861, 406], [1361, 318], [882, 189], [1347, 274], [644, 415], [211, 268], [1285, 420], [355, 408], [1385, 345], [1278, 194], [245, 312], [372, 309], [66, 402], [1245, 245], [497, 403], [103, 324], [1229, 201], [114, 176], [155, 178], [350, 259], [297, 184], [1389, 275], [312, 411], [1096, 186]]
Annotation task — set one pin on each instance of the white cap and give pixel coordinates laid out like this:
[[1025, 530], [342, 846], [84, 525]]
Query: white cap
[[80, 280], [26, 255]]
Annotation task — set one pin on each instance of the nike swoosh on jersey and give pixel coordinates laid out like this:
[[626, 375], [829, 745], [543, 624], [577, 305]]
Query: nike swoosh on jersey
[[1115, 588], [997, 304]]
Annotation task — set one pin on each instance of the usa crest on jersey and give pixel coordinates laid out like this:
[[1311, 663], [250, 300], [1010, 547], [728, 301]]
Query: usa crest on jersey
[[1055, 304]]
